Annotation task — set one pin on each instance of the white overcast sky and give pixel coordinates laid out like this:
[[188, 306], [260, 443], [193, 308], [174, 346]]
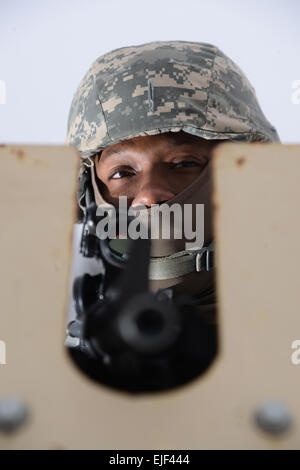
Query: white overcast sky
[[46, 46]]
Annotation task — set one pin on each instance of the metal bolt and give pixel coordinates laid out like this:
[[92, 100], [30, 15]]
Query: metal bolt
[[273, 417], [13, 413], [74, 329]]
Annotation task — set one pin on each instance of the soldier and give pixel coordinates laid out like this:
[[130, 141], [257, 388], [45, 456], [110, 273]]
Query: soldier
[[145, 120]]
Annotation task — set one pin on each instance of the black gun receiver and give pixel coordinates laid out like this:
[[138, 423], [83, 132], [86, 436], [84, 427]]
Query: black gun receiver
[[130, 338]]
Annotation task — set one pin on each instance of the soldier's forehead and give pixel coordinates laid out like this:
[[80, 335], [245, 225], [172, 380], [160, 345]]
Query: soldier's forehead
[[171, 140]]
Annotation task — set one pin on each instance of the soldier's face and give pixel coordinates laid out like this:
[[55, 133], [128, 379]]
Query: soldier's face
[[151, 169]]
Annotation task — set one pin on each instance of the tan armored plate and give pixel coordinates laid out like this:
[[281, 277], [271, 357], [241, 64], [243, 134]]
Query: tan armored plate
[[257, 228]]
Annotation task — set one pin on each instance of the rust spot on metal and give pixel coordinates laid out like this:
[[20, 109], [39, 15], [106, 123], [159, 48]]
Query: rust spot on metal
[[19, 153], [241, 161]]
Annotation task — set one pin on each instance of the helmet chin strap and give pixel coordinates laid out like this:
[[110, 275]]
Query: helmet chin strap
[[181, 263], [175, 265]]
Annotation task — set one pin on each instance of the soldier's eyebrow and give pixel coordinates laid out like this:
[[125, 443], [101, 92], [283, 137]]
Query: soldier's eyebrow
[[114, 151], [122, 147], [173, 141]]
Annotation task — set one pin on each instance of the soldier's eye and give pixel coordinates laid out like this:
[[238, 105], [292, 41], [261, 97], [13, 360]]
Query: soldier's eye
[[186, 164], [125, 173]]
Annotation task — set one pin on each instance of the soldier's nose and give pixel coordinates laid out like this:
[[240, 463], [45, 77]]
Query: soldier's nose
[[149, 196]]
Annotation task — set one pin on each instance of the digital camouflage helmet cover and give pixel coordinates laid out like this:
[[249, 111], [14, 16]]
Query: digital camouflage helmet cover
[[162, 87]]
